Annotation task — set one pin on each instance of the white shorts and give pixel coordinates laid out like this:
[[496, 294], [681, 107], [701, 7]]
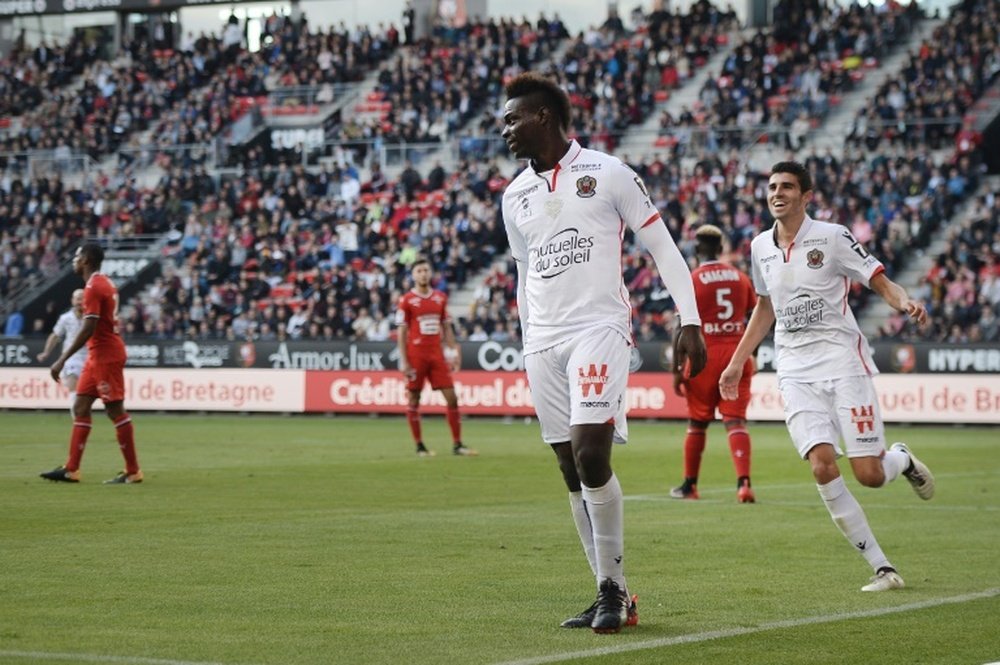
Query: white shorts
[[73, 367], [581, 381], [834, 409]]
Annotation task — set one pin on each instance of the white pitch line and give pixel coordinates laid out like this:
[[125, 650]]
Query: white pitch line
[[736, 632], [94, 658]]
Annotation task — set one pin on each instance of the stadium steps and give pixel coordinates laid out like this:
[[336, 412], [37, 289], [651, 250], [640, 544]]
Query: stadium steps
[[640, 142], [135, 249], [837, 125], [877, 311], [832, 132], [448, 156], [461, 300]]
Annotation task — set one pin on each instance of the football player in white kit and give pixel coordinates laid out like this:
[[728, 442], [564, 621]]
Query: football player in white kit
[[66, 329], [802, 271], [565, 217]]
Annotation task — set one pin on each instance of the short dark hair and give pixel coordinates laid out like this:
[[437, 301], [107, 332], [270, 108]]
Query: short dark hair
[[548, 92], [94, 254], [800, 172], [420, 260]]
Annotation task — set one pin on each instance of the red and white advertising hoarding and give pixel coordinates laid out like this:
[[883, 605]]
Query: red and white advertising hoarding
[[907, 398]]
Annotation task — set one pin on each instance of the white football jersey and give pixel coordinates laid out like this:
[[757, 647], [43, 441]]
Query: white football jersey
[[816, 336], [567, 226], [67, 327]]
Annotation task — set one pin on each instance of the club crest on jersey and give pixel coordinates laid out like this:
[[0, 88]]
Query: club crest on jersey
[[586, 187], [814, 259]]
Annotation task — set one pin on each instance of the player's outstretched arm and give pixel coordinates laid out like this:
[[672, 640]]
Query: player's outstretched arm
[[759, 325], [896, 297], [50, 345]]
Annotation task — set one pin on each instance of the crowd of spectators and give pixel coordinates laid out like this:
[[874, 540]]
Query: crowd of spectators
[[113, 100], [924, 105], [186, 95], [28, 76], [616, 77], [454, 76], [292, 56], [282, 252], [286, 254], [893, 205], [278, 254], [962, 287], [789, 76], [39, 219]]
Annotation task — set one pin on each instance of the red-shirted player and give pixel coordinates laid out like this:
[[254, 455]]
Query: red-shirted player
[[103, 374], [423, 321], [725, 297]]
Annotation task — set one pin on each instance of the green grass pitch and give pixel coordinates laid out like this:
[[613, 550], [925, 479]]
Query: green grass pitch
[[261, 540]]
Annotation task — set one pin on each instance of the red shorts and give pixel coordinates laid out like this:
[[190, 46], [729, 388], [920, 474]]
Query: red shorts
[[104, 380], [703, 390], [431, 367]]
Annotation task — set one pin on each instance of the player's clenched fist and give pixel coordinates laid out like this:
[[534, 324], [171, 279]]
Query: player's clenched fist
[[691, 354]]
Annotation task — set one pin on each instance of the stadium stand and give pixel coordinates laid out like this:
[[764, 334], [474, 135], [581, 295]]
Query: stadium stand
[[279, 250], [615, 78], [30, 76]]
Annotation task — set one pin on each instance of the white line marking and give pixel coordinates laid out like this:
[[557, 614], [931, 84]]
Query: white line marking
[[735, 632], [93, 658]]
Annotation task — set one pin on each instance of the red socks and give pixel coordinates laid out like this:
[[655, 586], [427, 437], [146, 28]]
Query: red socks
[[739, 446], [455, 423], [77, 442], [413, 416], [126, 443], [694, 446]]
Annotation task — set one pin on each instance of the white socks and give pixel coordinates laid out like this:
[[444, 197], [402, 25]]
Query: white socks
[[583, 528], [607, 517], [850, 519], [894, 462]]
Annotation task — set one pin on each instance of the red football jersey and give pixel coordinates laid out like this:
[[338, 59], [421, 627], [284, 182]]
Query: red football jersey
[[725, 297], [424, 317], [100, 301]]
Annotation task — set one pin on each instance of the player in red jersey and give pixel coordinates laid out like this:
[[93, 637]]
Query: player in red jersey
[[103, 374], [725, 297], [423, 322]]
